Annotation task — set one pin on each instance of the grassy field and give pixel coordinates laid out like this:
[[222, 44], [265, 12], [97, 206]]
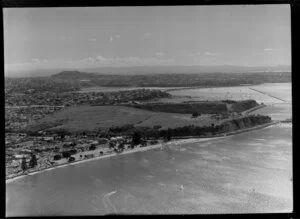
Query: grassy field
[[94, 117], [279, 111], [280, 90]]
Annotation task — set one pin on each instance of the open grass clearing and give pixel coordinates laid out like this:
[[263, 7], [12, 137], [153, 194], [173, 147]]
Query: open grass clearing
[[95, 117], [280, 90]]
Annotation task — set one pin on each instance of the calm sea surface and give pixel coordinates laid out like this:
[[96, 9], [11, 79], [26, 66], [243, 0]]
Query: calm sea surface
[[250, 172]]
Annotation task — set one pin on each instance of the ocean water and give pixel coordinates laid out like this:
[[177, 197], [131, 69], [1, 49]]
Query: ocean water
[[246, 173]]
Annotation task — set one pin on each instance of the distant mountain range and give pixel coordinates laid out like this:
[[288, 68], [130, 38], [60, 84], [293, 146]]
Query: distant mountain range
[[187, 69], [140, 70]]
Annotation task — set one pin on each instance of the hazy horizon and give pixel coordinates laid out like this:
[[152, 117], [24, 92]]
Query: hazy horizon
[[142, 70], [46, 39]]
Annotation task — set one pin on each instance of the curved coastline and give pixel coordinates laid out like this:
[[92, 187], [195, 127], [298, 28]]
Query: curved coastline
[[182, 140], [129, 151]]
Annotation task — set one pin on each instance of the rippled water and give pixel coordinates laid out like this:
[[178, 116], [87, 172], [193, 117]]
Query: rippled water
[[250, 172]]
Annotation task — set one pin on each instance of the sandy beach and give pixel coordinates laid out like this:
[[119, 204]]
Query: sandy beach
[[139, 149], [128, 151]]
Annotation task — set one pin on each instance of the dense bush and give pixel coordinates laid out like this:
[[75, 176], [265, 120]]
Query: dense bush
[[119, 129], [195, 114], [153, 142], [66, 154], [71, 159], [72, 152], [229, 101], [24, 164], [196, 108], [33, 161], [57, 157], [92, 148], [241, 106], [136, 138], [186, 108], [232, 125]]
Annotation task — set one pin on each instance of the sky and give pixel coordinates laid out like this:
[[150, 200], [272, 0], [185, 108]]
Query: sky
[[91, 37]]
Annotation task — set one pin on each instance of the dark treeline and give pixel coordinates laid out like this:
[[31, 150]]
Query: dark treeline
[[185, 108], [232, 125], [157, 132], [240, 106], [206, 107]]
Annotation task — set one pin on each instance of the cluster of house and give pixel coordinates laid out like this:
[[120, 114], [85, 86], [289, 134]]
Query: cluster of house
[[19, 117], [75, 98], [46, 147], [21, 109]]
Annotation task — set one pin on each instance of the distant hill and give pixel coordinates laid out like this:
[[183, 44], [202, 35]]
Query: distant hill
[[74, 75], [187, 69], [140, 70], [172, 79]]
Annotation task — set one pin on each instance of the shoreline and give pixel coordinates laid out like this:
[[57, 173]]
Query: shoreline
[[181, 140], [113, 154]]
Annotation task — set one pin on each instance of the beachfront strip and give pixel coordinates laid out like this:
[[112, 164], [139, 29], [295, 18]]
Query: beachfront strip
[[54, 151]]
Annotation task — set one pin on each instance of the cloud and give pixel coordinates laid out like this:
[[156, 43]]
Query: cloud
[[147, 34], [271, 50], [92, 39], [159, 54], [127, 61], [211, 54], [96, 61]]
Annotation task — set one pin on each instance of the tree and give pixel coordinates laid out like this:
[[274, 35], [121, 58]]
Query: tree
[[144, 143], [72, 151], [33, 161], [57, 157], [66, 154], [169, 134], [136, 138], [121, 146], [195, 114], [92, 147], [24, 164], [111, 144], [71, 159]]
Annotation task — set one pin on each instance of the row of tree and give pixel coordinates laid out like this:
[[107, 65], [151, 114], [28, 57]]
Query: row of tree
[[140, 133], [32, 162]]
